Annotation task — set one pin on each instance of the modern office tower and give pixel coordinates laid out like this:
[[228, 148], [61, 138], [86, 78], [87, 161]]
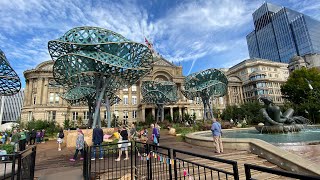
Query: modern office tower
[[281, 33], [10, 107]]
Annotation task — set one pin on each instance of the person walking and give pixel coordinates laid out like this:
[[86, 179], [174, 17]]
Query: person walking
[[60, 137], [42, 134], [15, 137], [22, 140], [133, 131], [27, 138], [97, 138], [79, 146], [33, 135], [155, 135], [216, 133], [124, 143], [38, 136], [4, 137]]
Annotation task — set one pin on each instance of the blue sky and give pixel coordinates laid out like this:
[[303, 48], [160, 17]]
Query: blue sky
[[195, 34]]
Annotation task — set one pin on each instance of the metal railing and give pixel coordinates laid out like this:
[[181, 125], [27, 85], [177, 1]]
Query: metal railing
[[196, 166], [19, 165], [103, 164], [279, 173]]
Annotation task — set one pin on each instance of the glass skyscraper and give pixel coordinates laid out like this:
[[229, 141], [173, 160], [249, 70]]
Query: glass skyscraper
[[281, 33]]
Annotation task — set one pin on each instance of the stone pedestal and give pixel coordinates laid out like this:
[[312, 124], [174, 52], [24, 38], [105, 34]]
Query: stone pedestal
[[71, 136]]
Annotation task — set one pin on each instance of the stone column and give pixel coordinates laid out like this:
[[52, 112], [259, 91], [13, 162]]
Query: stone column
[[180, 113], [39, 90], [171, 112], [26, 93], [45, 91], [30, 100], [60, 99], [154, 112], [143, 114]]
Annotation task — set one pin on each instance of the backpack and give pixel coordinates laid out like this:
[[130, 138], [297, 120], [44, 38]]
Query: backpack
[[61, 135]]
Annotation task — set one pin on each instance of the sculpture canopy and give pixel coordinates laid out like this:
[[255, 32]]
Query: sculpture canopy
[[205, 84], [159, 93], [94, 63], [9, 80]]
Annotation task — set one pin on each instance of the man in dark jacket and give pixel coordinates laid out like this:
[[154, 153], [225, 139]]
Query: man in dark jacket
[[97, 138], [33, 137]]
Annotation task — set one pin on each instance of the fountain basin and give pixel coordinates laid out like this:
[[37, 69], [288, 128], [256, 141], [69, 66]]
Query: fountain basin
[[280, 128], [308, 135]]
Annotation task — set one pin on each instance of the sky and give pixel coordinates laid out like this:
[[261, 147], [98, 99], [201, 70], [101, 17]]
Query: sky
[[196, 34]]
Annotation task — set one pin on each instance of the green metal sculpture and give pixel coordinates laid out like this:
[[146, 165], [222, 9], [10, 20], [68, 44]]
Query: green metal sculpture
[[9, 80], [205, 84], [94, 63], [159, 93]]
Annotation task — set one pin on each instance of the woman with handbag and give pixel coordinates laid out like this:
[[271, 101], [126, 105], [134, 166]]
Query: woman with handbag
[[124, 143]]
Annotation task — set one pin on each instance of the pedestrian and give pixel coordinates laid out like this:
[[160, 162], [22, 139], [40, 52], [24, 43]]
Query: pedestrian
[[123, 146], [27, 137], [22, 141], [216, 133], [79, 146], [33, 135], [155, 135], [97, 138], [133, 131], [3, 137], [42, 140], [15, 137], [60, 137], [38, 136]]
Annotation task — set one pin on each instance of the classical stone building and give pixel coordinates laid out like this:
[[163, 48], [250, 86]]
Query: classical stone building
[[253, 78], [307, 61], [42, 99]]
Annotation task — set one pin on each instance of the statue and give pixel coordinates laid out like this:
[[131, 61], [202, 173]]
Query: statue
[[276, 121]]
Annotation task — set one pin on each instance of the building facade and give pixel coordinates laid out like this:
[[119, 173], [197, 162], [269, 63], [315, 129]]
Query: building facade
[[10, 107], [306, 61], [42, 99], [254, 78], [281, 33]]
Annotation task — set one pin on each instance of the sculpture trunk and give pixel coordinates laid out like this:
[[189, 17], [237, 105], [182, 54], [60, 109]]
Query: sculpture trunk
[[98, 105], [107, 102]]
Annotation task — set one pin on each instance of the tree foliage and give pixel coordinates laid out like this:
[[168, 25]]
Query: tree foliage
[[304, 100], [248, 110]]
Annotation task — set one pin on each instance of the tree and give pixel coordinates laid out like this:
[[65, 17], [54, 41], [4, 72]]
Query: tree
[[302, 89]]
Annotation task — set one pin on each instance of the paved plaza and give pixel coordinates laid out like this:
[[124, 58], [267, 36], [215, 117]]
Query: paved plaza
[[53, 164]]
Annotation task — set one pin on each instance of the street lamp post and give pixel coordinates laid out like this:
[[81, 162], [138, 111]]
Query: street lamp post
[[313, 95]]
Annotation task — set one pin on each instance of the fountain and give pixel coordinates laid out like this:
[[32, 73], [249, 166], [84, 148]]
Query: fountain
[[277, 122]]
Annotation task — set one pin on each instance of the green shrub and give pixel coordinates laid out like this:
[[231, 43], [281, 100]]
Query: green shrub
[[51, 127], [150, 119], [8, 147], [66, 124]]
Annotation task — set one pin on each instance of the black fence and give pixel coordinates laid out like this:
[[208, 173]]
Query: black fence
[[148, 161], [189, 165], [18, 166], [274, 173]]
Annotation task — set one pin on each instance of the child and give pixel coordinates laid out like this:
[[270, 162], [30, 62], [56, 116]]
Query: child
[[60, 137], [79, 146]]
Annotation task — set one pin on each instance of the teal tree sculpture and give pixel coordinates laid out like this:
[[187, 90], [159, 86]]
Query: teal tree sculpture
[[9, 80], [205, 84], [159, 93], [94, 63]]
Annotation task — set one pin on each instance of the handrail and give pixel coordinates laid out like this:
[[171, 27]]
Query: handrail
[[207, 157], [248, 167]]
